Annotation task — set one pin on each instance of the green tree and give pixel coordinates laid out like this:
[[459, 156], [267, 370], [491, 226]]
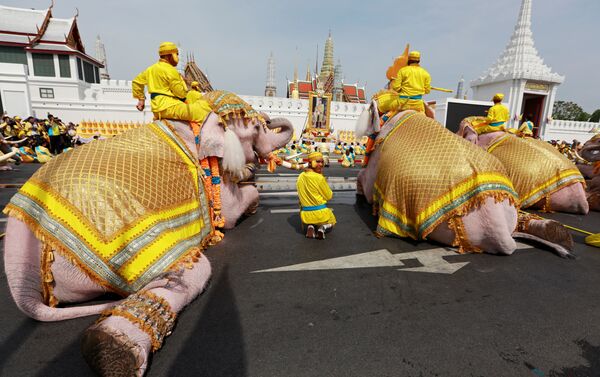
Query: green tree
[[564, 110], [595, 116]]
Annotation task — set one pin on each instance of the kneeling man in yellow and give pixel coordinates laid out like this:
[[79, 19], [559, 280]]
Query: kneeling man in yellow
[[167, 89], [497, 117], [411, 83], [314, 192]]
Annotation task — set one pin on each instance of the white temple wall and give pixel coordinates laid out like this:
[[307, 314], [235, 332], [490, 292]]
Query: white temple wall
[[14, 89], [569, 130]]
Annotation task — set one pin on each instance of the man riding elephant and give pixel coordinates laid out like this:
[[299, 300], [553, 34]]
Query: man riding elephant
[[167, 89], [411, 83]]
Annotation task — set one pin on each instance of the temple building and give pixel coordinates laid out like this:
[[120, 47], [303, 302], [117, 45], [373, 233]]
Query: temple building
[[520, 73], [42, 52], [329, 80], [191, 73]]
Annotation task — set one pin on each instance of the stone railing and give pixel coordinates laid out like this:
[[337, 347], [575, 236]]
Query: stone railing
[[569, 130]]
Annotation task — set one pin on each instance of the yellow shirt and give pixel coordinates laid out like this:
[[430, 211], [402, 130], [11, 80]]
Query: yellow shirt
[[313, 190], [161, 78], [412, 80], [498, 113], [193, 96], [526, 128]]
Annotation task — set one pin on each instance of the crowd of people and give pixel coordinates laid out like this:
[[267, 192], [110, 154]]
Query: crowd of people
[[35, 140], [346, 153]]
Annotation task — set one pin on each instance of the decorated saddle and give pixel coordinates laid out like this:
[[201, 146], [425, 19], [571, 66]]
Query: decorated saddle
[[535, 167], [427, 175], [228, 105], [125, 209]]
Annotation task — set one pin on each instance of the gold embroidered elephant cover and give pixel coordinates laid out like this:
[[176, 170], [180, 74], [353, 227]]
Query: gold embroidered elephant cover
[[536, 168], [124, 209], [427, 175]]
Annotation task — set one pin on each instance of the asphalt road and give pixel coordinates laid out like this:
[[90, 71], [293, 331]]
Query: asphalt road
[[530, 314]]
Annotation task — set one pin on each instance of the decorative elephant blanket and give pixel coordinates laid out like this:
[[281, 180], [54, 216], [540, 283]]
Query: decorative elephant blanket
[[427, 175], [536, 168], [229, 105], [125, 209]]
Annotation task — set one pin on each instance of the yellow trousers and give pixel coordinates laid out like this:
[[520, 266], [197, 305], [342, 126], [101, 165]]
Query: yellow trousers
[[412, 104], [194, 112]]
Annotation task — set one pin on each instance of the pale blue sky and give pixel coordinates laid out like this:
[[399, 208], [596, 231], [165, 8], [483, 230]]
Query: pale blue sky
[[231, 40]]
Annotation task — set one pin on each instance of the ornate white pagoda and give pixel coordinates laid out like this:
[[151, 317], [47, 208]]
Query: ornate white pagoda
[[520, 73]]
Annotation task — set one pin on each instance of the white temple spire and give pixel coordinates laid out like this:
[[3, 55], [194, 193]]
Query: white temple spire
[[101, 56], [520, 59], [271, 89]]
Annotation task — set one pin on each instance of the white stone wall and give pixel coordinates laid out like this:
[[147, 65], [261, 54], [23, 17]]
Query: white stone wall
[[14, 89], [568, 130]]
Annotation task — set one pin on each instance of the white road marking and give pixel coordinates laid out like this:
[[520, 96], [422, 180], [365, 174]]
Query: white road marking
[[290, 210], [431, 260], [282, 193], [257, 223]]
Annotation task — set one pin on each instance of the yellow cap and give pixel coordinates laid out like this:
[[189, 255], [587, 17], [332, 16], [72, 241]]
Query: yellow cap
[[167, 48], [414, 55], [195, 84], [498, 97], [314, 156]]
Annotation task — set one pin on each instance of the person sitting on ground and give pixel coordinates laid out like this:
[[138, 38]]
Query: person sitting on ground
[[348, 159], [324, 149], [314, 192], [167, 89]]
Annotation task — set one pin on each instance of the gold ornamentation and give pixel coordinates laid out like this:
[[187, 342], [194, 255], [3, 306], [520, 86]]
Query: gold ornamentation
[[149, 312]]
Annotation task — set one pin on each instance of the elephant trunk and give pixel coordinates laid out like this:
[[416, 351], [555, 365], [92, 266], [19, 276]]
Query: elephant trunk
[[274, 141], [22, 267]]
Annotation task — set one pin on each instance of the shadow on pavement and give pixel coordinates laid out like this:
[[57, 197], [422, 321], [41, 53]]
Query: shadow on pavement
[[215, 346], [68, 363], [296, 224], [14, 342]]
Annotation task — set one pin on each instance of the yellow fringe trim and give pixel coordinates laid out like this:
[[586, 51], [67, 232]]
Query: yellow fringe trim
[[49, 241]]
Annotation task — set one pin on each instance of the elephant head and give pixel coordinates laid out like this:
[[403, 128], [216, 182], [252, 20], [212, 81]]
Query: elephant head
[[239, 142], [467, 131], [591, 149]]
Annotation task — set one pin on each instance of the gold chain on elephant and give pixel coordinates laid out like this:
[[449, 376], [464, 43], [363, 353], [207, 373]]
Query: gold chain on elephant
[[149, 312], [524, 219]]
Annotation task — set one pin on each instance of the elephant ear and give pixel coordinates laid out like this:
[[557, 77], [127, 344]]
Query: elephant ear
[[368, 121], [219, 141]]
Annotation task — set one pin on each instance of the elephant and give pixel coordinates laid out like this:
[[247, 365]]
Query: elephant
[[591, 153], [146, 193], [542, 176], [427, 183]]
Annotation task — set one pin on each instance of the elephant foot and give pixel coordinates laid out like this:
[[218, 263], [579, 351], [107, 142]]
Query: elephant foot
[[549, 232], [252, 208], [112, 353]]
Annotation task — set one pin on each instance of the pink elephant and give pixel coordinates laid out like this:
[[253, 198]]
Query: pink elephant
[[119, 344], [414, 153], [543, 178], [591, 153]]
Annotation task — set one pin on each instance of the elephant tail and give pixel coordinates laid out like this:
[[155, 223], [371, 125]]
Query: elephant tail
[[22, 266]]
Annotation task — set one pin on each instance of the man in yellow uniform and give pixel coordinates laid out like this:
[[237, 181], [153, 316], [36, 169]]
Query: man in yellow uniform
[[167, 89], [411, 83], [194, 94], [526, 129], [497, 117], [314, 192]]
